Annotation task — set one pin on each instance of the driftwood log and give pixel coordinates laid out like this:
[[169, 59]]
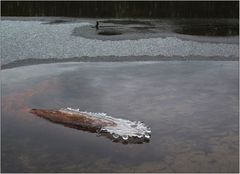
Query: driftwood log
[[75, 120], [85, 122]]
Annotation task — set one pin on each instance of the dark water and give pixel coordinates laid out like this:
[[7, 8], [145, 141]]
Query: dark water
[[57, 21], [209, 27], [192, 108], [117, 29], [109, 33]]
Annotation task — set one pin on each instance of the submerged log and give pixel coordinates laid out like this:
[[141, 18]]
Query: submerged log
[[77, 120], [117, 130]]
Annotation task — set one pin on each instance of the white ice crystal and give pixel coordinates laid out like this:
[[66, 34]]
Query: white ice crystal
[[124, 128]]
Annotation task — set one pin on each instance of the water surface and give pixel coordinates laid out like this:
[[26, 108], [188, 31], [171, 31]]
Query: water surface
[[192, 108]]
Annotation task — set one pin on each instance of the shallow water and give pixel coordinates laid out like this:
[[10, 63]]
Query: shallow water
[[192, 108]]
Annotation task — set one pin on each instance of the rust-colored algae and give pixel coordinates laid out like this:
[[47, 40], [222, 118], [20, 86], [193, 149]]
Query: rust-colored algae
[[17, 102]]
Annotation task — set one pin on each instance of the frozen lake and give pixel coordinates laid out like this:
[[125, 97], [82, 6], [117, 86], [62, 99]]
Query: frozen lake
[[41, 39]]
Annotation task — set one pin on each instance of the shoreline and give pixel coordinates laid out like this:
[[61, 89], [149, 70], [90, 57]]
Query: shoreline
[[32, 61]]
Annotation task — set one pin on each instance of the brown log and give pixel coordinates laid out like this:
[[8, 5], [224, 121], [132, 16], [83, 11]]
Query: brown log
[[74, 120], [84, 121]]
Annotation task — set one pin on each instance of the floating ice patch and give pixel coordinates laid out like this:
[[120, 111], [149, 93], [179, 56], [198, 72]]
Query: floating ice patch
[[116, 129]]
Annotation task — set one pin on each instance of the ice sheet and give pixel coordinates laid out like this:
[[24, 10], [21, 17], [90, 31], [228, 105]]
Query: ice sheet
[[32, 39]]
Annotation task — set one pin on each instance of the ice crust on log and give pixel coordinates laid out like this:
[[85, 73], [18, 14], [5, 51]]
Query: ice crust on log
[[116, 129]]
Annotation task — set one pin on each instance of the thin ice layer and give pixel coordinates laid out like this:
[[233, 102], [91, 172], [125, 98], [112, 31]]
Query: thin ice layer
[[124, 129], [31, 39]]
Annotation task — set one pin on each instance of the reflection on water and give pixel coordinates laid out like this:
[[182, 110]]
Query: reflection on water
[[192, 108]]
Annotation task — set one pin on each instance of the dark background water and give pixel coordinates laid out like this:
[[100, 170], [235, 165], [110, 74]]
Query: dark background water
[[119, 9]]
